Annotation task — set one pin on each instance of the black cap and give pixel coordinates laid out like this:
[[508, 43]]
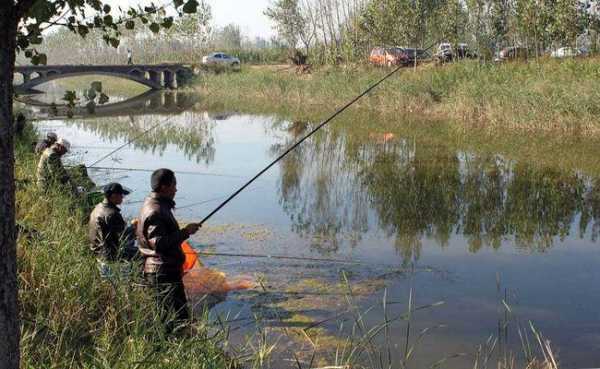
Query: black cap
[[111, 188]]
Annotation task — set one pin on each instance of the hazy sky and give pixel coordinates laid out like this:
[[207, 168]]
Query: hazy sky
[[248, 14]]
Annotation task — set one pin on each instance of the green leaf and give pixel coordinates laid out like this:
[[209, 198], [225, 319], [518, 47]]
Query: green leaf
[[167, 22], [108, 19], [106, 8], [144, 20], [178, 3], [190, 6], [39, 59], [154, 27], [103, 99], [130, 24], [82, 30], [96, 86], [28, 53], [114, 42]]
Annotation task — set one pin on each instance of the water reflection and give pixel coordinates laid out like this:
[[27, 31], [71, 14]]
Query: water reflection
[[332, 184], [151, 102]]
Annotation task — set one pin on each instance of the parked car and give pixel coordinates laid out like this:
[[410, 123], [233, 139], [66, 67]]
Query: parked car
[[418, 54], [566, 52], [446, 52], [388, 56], [219, 59], [512, 53]]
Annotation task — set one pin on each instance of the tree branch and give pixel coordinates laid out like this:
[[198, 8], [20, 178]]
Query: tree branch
[[23, 7]]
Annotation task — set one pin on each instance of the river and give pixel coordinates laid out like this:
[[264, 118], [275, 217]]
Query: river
[[479, 243]]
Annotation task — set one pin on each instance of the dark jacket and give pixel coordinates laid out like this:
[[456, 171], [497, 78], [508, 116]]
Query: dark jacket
[[106, 231], [160, 237]]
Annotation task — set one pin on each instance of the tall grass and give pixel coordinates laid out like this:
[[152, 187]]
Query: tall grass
[[546, 95], [71, 317]]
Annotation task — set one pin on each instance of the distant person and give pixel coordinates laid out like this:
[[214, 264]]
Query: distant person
[[160, 241], [110, 239], [20, 122], [129, 57], [46, 142], [50, 169]]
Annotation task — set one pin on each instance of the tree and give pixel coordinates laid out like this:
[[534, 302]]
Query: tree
[[229, 37], [21, 25], [196, 27], [290, 23]]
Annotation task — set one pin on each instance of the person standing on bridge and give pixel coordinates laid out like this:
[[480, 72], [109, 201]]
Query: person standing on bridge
[[129, 57], [160, 241]]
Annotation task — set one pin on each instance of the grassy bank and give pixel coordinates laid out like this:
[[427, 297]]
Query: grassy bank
[[546, 95], [71, 317]]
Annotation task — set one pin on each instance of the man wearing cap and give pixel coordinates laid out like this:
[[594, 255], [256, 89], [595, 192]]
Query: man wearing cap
[[50, 169], [107, 228], [50, 139], [160, 241]]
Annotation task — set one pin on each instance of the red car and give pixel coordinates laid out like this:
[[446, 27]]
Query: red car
[[388, 56]]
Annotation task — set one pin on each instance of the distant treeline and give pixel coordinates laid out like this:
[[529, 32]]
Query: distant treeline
[[336, 31]]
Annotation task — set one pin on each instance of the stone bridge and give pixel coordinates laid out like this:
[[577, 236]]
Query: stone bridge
[[157, 77]]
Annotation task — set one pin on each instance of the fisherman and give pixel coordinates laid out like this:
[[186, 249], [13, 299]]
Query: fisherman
[[129, 57], [110, 238], [45, 143], [160, 241], [50, 169]]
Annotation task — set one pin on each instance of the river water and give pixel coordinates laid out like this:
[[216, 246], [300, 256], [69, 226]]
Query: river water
[[485, 244]]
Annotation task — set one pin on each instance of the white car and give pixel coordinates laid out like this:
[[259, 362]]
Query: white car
[[565, 52], [221, 59]]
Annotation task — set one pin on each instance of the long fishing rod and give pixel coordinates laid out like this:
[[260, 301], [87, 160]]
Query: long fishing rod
[[321, 125]]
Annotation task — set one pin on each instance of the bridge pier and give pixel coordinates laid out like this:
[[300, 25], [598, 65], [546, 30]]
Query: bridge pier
[[155, 77], [169, 79]]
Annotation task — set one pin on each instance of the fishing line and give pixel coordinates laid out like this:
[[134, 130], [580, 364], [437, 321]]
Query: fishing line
[[176, 171], [128, 142], [321, 125]]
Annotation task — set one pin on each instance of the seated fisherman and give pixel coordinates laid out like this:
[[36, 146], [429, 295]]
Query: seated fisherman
[[50, 169], [45, 143], [110, 239], [160, 241]]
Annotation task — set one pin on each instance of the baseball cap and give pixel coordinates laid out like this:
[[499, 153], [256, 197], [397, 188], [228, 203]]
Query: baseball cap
[[111, 188]]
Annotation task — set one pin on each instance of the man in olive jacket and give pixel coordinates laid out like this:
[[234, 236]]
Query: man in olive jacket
[[50, 169], [160, 241], [107, 226]]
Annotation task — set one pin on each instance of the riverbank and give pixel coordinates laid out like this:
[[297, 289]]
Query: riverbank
[[73, 318], [558, 96]]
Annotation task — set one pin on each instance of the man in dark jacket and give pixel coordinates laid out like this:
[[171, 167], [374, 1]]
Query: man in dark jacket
[[107, 227], [160, 241]]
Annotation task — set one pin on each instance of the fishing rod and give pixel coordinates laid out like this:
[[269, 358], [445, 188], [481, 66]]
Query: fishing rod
[[321, 125]]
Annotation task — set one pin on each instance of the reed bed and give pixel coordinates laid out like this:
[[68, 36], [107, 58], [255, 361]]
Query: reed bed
[[543, 95]]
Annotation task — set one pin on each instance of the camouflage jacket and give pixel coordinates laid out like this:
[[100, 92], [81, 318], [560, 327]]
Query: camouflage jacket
[[106, 231], [50, 169]]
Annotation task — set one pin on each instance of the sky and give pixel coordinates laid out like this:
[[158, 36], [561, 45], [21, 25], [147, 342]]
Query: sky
[[248, 14]]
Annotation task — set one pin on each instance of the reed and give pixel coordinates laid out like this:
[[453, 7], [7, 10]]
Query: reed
[[547, 95]]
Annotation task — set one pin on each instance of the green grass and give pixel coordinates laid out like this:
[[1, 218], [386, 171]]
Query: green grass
[[546, 95]]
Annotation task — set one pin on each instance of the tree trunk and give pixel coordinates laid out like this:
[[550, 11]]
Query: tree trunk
[[9, 314]]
